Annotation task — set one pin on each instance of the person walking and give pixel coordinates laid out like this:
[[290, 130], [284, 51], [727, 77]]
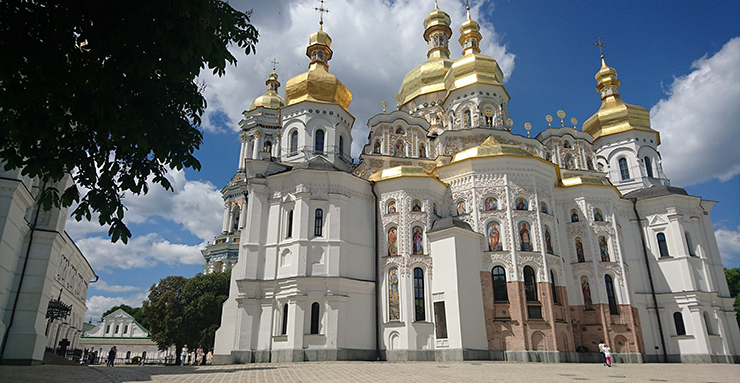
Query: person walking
[[601, 351], [209, 358], [608, 355], [112, 356], [183, 355], [199, 355]]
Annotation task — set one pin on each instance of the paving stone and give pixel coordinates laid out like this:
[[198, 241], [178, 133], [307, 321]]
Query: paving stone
[[331, 372]]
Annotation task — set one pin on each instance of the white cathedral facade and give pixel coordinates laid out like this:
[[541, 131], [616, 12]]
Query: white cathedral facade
[[454, 239]]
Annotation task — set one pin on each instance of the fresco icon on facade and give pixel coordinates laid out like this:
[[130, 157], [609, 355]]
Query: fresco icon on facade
[[548, 240], [494, 237], [579, 251], [574, 215], [603, 249], [393, 299], [392, 242], [418, 240], [392, 207], [586, 288], [491, 204], [416, 205], [524, 237], [521, 204], [461, 209], [597, 215]]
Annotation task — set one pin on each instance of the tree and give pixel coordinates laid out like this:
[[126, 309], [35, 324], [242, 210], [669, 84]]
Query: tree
[[108, 92], [733, 282], [164, 311], [187, 311], [136, 312]]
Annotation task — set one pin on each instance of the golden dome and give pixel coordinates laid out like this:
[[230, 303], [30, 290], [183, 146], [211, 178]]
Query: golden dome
[[490, 148], [614, 115], [398, 172], [270, 99], [429, 76], [470, 36], [317, 84], [473, 69]]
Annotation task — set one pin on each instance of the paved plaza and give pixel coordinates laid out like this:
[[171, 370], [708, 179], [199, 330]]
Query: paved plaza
[[327, 372]]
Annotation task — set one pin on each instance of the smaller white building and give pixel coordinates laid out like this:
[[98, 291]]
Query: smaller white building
[[130, 338]]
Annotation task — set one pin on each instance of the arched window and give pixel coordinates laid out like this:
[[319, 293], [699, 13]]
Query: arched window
[[689, 244], [284, 329], [678, 322], [530, 284], [623, 169], [500, 293], [125, 329], [708, 324], [289, 228], [318, 142], [107, 329], [116, 329], [318, 223], [662, 245], [648, 167], [613, 309], [555, 298], [315, 311], [341, 146], [294, 143], [419, 294]]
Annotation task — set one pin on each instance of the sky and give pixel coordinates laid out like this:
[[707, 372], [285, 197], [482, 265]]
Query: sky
[[679, 59]]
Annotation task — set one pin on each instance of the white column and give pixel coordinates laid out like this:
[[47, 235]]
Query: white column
[[225, 226], [243, 213], [242, 151]]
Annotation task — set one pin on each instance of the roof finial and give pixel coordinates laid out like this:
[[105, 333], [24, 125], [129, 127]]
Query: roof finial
[[467, 7], [321, 9], [274, 62], [435, 5], [600, 45]]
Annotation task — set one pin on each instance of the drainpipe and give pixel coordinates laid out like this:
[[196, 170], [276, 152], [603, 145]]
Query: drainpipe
[[23, 272], [377, 271], [650, 278]]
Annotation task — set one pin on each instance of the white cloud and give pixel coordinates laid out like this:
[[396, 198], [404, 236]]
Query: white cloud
[[104, 286], [98, 304], [700, 120], [195, 205], [140, 252], [729, 245], [375, 42]]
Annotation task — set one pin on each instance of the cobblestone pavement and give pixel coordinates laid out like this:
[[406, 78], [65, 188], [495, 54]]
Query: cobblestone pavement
[[327, 372]]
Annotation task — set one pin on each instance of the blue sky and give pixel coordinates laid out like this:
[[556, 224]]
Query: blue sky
[[677, 58]]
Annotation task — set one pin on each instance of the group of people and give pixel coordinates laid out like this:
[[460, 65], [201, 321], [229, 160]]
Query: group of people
[[198, 357], [606, 353]]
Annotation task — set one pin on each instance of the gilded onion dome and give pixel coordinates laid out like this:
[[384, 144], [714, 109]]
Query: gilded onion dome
[[472, 68], [490, 148], [270, 99], [317, 84], [429, 76], [614, 115]]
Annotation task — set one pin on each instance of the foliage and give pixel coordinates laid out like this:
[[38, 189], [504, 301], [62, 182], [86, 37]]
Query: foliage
[[733, 282], [164, 310], [136, 312], [107, 91], [187, 311]]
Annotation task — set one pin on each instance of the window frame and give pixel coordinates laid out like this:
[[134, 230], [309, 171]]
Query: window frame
[[624, 171], [679, 324], [293, 143], [315, 318], [419, 295], [530, 284], [610, 294], [318, 223], [662, 245], [319, 135], [499, 294]]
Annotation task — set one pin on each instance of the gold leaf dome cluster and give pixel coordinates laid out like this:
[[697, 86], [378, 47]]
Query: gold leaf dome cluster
[[614, 115], [440, 73], [270, 99], [317, 84]]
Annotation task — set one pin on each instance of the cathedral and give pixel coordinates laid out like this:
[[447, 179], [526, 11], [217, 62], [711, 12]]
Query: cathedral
[[452, 238]]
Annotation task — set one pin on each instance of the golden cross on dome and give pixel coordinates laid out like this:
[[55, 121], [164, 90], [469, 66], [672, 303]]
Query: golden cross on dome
[[600, 45], [274, 62], [321, 9]]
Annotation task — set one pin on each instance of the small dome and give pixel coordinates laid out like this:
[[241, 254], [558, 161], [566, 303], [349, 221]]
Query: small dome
[[490, 148], [473, 69], [317, 84], [436, 17], [270, 99], [614, 115]]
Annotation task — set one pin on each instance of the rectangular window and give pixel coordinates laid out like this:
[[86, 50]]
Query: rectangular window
[[318, 223], [289, 229], [534, 312], [440, 320], [419, 294]]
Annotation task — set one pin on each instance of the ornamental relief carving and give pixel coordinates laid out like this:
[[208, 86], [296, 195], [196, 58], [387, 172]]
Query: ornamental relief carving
[[576, 229], [536, 260], [582, 269], [398, 261], [415, 260], [612, 267], [491, 259], [602, 227]]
